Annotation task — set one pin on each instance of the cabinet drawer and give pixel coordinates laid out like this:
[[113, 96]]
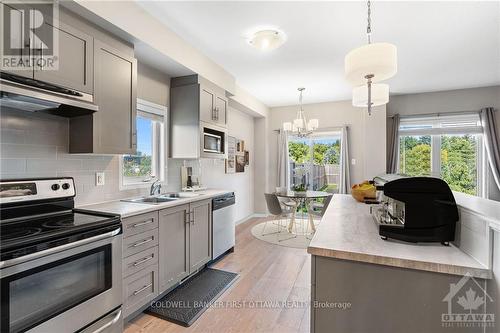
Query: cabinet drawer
[[140, 242], [136, 224], [139, 261], [139, 289]]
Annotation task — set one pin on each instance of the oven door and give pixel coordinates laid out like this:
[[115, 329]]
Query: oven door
[[62, 289]]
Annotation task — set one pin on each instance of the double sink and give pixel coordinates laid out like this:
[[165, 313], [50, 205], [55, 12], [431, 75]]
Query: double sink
[[161, 198]]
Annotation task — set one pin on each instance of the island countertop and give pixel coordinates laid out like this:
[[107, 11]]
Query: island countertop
[[347, 231]]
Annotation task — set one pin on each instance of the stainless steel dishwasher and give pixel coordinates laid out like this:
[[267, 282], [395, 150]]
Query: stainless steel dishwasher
[[223, 224]]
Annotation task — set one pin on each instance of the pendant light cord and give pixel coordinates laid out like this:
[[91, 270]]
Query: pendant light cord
[[369, 26]]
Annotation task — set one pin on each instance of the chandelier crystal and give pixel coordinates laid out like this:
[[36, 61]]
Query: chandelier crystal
[[300, 126]]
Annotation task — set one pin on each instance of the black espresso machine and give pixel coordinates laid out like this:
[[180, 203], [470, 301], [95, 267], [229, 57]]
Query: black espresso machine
[[415, 209]]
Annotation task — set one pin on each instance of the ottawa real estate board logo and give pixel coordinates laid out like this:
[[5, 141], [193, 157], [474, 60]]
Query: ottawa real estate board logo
[[469, 305], [30, 39]]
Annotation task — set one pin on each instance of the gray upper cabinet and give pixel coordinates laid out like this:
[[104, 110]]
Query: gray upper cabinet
[[200, 236], [75, 70], [20, 46], [112, 129], [221, 110], [212, 102], [207, 105], [173, 246]]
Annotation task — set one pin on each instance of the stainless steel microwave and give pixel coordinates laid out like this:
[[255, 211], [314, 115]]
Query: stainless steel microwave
[[214, 140]]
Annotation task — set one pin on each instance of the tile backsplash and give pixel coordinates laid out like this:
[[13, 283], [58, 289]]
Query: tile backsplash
[[36, 145]]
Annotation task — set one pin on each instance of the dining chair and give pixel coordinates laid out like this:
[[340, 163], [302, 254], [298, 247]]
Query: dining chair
[[286, 201], [277, 210], [316, 209]]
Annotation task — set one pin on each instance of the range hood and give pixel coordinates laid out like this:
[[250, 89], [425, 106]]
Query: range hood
[[20, 93]]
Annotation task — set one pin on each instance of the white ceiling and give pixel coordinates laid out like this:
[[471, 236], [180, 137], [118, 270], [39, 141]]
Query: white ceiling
[[441, 45]]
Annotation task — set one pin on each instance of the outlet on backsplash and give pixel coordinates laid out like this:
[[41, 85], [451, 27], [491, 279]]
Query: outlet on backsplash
[[99, 179]]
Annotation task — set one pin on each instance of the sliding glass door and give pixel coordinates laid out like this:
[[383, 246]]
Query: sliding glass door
[[315, 161]]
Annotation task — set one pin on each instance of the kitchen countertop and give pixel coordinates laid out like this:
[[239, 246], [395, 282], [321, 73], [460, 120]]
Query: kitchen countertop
[[127, 209], [348, 231]]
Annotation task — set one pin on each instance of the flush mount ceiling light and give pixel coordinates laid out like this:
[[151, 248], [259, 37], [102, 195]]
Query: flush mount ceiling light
[[369, 64], [267, 40], [300, 126]]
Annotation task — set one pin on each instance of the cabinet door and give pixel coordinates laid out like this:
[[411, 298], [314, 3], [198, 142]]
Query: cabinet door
[[207, 107], [115, 94], [75, 64], [173, 254], [221, 110], [200, 235], [18, 41]]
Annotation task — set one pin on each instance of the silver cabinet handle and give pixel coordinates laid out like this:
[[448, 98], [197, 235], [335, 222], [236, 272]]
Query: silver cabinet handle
[[192, 214], [142, 261], [213, 113], [143, 242], [142, 289], [135, 225], [187, 216]]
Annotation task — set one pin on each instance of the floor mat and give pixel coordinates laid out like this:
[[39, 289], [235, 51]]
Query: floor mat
[[187, 302]]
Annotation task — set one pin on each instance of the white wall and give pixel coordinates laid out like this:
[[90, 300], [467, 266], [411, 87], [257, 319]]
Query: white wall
[[367, 135], [241, 126]]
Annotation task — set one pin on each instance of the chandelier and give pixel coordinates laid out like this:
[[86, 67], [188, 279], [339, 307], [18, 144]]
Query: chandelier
[[300, 126], [368, 65]]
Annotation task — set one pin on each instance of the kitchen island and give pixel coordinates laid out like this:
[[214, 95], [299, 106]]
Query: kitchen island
[[359, 280]]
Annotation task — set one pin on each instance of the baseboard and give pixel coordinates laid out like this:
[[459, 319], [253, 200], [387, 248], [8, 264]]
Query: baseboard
[[250, 217]]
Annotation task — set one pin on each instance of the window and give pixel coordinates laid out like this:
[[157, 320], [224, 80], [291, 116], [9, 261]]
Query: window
[[147, 166], [449, 147], [315, 161]]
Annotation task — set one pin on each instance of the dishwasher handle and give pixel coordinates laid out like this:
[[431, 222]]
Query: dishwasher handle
[[223, 201]]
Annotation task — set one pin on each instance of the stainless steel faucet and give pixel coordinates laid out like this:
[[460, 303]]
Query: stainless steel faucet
[[155, 187]]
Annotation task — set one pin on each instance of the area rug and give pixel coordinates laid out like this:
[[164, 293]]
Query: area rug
[[187, 302], [280, 236]]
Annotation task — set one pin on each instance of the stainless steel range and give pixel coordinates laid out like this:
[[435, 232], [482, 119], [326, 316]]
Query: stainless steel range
[[60, 269]]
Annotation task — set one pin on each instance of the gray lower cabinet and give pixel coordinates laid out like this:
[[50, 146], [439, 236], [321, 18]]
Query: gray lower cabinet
[[112, 129], [174, 246], [140, 261], [351, 296], [200, 234], [184, 241]]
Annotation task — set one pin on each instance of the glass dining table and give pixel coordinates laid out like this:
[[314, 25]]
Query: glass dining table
[[302, 199]]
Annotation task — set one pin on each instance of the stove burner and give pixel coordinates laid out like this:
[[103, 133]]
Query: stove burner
[[69, 222], [19, 233]]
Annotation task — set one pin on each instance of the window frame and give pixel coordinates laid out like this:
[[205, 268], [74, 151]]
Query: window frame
[[432, 126], [322, 132], [159, 146]]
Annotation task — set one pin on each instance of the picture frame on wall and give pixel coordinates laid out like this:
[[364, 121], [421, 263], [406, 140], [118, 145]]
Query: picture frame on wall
[[231, 155], [240, 146], [247, 157], [240, 163]]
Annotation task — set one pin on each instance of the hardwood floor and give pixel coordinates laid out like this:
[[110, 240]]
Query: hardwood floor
[[267, 273]]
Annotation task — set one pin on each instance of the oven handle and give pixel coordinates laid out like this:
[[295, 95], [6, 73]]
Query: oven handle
[[108, 324], [57, 249]]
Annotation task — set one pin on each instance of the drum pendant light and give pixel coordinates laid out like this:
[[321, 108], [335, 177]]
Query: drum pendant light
[[369, 64]]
